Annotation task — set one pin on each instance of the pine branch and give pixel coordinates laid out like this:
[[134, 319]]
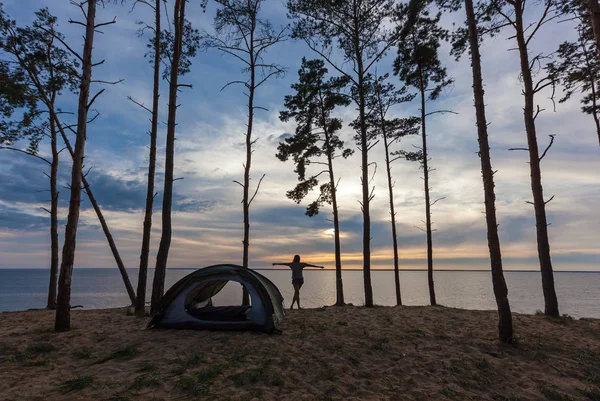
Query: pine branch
[[548, 147], [440, 112], [437, 200], [235, 82], [114, 21], [107, 82], [26, 152], [257, 188], [140, 104], [94, 99], [55, 36], [328, 59]]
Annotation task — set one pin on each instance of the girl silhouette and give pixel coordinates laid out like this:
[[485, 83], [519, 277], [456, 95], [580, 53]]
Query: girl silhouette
[[297, 278]]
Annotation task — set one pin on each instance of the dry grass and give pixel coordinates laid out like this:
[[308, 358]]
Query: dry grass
[[351, 353]]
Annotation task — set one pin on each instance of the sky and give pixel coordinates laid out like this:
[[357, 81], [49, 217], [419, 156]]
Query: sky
[[207, 214]]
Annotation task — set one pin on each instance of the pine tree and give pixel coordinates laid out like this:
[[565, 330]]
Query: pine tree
[[63, 306], [55, 72], [178, 46], [382, 96], [155, 55], [513, 11], [38, 54], [469, 36], [243, 34], [316, 136], [418, 65], [359, 29]]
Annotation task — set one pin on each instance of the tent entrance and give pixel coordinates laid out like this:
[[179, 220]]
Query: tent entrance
[[200, 301], [221, 313]]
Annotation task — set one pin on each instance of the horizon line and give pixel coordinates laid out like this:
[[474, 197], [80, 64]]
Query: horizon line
[[327, 269]]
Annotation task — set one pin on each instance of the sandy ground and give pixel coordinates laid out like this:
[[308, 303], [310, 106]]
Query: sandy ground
[[350, 353]]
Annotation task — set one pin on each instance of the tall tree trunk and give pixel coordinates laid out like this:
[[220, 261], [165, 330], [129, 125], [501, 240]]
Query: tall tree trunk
[[366, 196], [364, 152], [505, 328], [339, 287], [63, 306], [160, 271], [551, 302], [53, 219], [594, 10], [53, 282], [427, 197], [392, 211], [388, 167], [140, 301], [246, 201]]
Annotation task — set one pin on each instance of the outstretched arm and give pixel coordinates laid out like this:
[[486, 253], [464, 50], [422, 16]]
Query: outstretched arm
[[281, 264], [320, 267]]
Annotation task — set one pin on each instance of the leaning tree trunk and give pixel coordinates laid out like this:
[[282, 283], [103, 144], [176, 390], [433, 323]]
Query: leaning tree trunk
[[427, 197], [99, 214], [392, 212], [505, 327], [551, 302], [111, 241], [140, 301], [53, 219], [63, 306], [594, 10], [160, 271]]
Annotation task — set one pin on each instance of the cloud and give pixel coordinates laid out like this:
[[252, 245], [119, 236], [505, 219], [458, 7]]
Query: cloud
[[11, 219]]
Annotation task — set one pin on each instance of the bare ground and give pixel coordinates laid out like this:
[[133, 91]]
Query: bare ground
[[349, 353]]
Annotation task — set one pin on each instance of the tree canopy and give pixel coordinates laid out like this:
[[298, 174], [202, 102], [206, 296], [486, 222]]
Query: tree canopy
[[316, 133]]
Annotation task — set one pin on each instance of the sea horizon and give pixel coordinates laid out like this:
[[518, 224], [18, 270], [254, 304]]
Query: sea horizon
[[326, 269], [100, 288]]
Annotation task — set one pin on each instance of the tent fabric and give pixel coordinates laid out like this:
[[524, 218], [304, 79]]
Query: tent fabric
[[188, 303]]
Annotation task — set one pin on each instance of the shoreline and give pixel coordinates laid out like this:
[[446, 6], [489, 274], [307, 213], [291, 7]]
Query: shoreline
[[330, 353], [129, 308]]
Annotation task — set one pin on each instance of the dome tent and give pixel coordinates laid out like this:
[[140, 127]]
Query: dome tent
[[188, 303]]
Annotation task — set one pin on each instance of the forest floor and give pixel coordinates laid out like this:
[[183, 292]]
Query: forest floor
[[349, 353]]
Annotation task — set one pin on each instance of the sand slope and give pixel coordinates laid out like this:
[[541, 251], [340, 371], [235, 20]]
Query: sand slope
[[350, 353]]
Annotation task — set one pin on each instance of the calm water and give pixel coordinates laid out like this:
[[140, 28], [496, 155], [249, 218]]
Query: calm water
[[579, 293]]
